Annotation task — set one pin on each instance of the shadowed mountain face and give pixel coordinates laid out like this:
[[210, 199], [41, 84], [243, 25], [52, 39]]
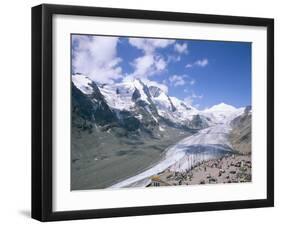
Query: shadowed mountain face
[[92, 110], [241, 134], [156, 92], [82, 110], [199, 122]]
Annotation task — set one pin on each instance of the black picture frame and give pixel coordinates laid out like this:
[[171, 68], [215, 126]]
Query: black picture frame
[[42, 107]]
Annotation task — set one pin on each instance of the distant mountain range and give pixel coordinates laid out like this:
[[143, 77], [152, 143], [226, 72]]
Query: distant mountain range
[[138, 107]]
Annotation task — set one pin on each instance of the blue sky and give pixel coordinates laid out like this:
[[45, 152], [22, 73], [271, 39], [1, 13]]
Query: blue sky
[[202, 73]]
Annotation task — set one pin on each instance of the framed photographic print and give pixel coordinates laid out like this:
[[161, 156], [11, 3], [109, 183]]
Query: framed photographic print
[[146, 112]]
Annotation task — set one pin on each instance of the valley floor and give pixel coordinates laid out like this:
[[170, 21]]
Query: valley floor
[[101, 159]]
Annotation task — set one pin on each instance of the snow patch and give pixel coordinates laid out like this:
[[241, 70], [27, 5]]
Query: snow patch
[[83, 83], [161, 128]]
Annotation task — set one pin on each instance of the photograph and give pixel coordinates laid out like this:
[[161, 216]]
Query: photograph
[[153, 111], [145, 112]]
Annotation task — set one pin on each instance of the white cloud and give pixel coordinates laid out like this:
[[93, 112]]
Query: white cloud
[[192, 82], [147, 65], [160, 64], [181, 48], [189, 100], [148, 45], [176, 80], [173, 58], [96, 56], [150, 63], [143, 65], [180, 80], [200, 63]]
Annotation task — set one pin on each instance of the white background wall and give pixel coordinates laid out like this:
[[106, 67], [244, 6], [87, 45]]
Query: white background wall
[[15, 93]]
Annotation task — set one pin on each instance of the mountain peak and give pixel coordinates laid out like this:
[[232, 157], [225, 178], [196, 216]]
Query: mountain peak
[[83, 83], [138, 82], [222, 107]]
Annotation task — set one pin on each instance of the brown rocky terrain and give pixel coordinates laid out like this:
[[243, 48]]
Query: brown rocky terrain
[[228, 169], [240, 136]]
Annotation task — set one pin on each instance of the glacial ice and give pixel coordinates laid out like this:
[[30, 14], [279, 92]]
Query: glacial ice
[[209, 143]]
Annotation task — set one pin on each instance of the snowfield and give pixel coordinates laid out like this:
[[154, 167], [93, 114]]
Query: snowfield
[[83, 83]]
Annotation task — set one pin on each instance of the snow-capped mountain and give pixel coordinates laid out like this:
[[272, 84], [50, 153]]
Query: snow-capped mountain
[[119, 96], [83, 83], [172, 108], [222, 113], [149, 107], [222, 107]]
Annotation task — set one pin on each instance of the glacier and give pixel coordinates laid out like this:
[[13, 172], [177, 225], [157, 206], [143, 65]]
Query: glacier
[[209, 143]]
